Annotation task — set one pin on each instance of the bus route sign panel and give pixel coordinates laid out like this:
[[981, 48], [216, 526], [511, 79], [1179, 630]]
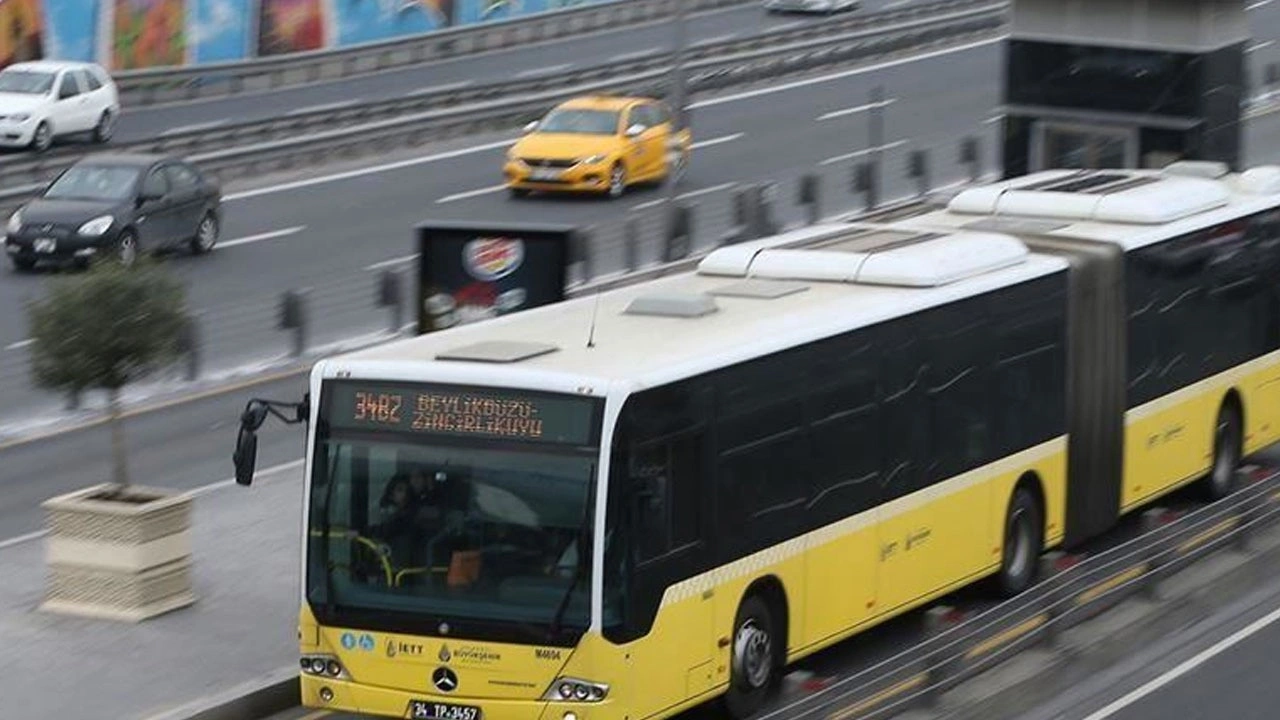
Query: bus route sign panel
[[461, 412], [472, 271]]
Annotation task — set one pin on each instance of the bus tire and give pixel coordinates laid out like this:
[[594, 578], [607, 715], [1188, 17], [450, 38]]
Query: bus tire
[[753, 660], [1023, 543], [1227, 452]]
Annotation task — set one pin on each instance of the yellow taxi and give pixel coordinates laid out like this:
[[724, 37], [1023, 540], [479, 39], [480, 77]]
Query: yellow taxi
[[600, 144]]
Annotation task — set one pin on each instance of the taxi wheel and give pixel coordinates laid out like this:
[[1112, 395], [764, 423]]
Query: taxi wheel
[[517, 193], [617, 181]]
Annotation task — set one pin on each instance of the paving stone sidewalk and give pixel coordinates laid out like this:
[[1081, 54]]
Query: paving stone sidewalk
[[242, 629]]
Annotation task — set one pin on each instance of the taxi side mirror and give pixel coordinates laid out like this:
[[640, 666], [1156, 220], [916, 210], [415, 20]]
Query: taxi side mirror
[[530, 127]]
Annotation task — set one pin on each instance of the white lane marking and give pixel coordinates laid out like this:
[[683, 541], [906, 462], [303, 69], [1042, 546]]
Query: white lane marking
[[470, 194], [326, 106], [857, 109], [262, 236], [195, 492], [1258, 46], [193, 127], [545, 70], [1186, 666], [745, 95], [620, 57], [993, 120], [499, 188], [19, 345], [717, 39], [1260, 3], [441, 88], [372, 170], [687, 196], [895, 4], [392, 262], [861, 153], [711, 142], [787, 26], [460, 152]]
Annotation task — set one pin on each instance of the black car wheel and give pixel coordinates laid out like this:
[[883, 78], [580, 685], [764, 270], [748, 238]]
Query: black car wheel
[[42, 138], [206, 236], [105, 128], [127, 248]]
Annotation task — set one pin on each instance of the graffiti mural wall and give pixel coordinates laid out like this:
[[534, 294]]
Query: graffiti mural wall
[[131, 34]]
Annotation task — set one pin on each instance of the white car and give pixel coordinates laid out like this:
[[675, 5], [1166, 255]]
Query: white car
[[814, 6], [45, 99]]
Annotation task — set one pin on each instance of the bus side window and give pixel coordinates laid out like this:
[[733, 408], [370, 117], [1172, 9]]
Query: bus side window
[[664, 478]]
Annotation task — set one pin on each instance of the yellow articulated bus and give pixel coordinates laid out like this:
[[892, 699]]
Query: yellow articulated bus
[[621, 506]]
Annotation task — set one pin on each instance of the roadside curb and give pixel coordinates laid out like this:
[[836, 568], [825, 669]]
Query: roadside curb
[[1039, 673], [254, 700]]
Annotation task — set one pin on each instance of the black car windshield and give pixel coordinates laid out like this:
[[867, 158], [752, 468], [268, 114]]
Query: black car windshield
[[486, 533], [590, 122], [94, 182], [25, 82]]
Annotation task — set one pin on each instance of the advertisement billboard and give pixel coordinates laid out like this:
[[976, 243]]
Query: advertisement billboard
[[470, 271]]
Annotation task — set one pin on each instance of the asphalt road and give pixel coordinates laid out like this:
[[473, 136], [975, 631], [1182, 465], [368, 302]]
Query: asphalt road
[[528, 61], [335, 236], [1223, 667]]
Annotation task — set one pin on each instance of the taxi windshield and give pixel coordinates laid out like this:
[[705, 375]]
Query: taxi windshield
[[578, 120]]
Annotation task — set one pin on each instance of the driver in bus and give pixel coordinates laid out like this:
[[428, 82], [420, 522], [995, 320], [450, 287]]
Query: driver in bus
[[397, 527]]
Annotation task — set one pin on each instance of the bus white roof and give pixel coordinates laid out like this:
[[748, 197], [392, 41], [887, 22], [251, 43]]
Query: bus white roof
[[1130, 208], [710, 320]]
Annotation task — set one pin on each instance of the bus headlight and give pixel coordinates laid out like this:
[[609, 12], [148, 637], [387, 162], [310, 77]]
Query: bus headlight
[[568, 689], [326, 666]]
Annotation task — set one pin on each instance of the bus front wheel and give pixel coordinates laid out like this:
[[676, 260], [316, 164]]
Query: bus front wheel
[[1023, 542], [1227, 451], [754, 660]]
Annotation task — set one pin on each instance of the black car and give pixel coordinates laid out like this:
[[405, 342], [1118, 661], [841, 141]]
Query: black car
[[118, 205]]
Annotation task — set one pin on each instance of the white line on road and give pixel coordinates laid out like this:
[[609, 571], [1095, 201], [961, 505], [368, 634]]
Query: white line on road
[[196, 492], [787, 26], [711, 142], [857, 109], [688, 196], [1260, 3], [1186, 666], [545, 70], [441, 88], [262, 236], [896, 4], [1259, 46], [327, 106], [993, 120], [861, 153], [718, 39], [392, 262], [470, 194], [19, 345], [745, 95], [461, 152], [620, 57], [372, 170], [194, 126]]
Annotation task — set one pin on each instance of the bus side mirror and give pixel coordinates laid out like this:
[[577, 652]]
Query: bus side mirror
[[245, 456]]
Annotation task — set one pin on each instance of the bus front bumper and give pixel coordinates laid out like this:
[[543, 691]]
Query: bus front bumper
[[346, 696]]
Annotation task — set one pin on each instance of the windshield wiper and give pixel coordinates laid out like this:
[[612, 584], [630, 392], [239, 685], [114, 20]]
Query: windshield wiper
[[584, 552]]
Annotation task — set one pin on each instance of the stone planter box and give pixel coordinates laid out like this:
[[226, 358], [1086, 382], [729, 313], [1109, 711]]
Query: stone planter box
[[119, 554]]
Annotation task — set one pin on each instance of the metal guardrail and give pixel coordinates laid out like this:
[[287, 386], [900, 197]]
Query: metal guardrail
[[158, 85], [921, 674], [280, 143]]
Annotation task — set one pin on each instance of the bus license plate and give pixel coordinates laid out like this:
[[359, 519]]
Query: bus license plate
[[424, 710]]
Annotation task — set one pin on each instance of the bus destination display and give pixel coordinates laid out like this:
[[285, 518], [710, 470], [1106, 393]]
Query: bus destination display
[[461, 412]]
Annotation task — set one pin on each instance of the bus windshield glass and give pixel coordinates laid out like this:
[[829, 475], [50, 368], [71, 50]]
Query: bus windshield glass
[[433, 506]]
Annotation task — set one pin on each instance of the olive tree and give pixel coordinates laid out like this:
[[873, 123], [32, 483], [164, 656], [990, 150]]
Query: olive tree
[[104, 329]]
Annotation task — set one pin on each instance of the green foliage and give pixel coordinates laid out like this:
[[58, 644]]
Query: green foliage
[[106, 328]]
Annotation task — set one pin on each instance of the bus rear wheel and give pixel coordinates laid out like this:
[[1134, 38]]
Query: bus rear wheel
[[1227, 452], [753, 659], [1023, 543]]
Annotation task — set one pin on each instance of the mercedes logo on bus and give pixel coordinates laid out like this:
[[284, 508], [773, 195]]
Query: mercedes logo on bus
[[444, 679]]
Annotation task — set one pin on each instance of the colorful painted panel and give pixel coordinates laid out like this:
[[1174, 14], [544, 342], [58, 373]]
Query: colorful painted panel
[[71, 29], [21, 31], [219, 30], [361, 21], [149, 33], [478, 11], [286, 26]]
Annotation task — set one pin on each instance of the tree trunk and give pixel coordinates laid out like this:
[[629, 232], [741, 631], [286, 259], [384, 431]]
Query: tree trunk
[[120, 467]]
